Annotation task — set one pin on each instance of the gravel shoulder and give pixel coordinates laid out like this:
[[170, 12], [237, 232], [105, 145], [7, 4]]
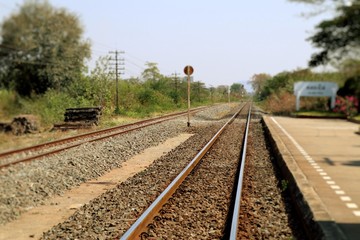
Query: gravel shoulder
[[25, 186], [57, 209]]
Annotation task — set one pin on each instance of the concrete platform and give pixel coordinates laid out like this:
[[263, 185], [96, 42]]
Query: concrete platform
[[322, 157]]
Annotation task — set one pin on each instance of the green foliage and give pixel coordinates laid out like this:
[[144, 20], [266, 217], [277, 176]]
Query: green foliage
[[96, 89], [50, 106], [41, 48], [277, 91], [151, 73], [258, 82], [338, 37], [284, 185], [237, 87], [147, 97], [9, 104], [317, 114], [153, 94]]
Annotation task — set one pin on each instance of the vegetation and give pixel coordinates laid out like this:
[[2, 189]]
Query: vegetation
[[339, 41], [137, 97], [338, 37], [41, 49], [42, 72]]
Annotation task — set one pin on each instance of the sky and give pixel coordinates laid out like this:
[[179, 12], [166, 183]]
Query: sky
[[225, 42]]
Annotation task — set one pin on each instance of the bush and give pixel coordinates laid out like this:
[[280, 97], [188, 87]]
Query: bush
[[282, 103], [50, 106], [347, 105], [9, 104]]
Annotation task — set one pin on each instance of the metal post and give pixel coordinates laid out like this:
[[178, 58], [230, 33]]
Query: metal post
[[188, 70], [188, 92]]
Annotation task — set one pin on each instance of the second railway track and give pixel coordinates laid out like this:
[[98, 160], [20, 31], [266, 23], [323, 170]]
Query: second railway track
[[41, 150]]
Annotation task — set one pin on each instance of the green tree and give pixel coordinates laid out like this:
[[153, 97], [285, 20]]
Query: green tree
[[151, 73], [258, 82], [237, 90], [41, 48], [339, 37]]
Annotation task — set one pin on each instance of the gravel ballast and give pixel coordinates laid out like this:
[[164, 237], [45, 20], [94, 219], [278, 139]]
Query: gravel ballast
[[25, 185], [266, 206]]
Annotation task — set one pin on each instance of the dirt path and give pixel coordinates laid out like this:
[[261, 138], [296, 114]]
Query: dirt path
[[37, 220]]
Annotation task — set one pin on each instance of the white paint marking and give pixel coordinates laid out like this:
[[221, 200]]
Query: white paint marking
[[330, 182], [340, 192], [321, 171], [345, 198], [356, 213], [351, 205]]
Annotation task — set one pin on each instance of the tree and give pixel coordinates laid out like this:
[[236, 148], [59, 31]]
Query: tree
[[97, 88], [339, 37], [151, 73], [237, 90], [237, 87], [41, 48], [258, 82]]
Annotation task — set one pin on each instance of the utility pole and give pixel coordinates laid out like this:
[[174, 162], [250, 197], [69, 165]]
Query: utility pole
[[176, 87], [175, 81], [118, 62], [198, 88], [229, 94]]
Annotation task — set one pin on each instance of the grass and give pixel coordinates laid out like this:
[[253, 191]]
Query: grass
[[357, 118], [318, 114]]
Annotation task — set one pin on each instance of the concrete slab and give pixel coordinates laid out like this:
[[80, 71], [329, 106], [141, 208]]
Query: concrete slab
[[327, 154]]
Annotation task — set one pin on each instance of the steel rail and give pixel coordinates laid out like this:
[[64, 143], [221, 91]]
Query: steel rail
[[143, 123], [136, 229], [236, 210]]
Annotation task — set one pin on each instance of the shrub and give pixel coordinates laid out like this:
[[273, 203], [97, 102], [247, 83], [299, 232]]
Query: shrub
[[9, 104], [50, 106], [282, 103], [347, 105]]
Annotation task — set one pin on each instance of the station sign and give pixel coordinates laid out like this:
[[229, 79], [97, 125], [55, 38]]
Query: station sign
[[315, 89]]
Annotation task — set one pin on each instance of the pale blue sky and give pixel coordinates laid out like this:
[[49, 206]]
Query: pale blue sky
[[225, 41]]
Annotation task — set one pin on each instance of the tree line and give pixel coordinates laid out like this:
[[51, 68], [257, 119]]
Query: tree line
[[43, 71], [338, 41]]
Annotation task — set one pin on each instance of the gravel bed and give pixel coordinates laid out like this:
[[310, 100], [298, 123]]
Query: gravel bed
[[266, 207], [26, 185], [111, 214], [199, 208]]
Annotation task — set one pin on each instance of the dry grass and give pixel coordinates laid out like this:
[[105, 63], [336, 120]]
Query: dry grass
[[8, 141]]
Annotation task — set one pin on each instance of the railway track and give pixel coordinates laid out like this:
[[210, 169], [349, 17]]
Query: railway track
[[198, 209], [38, 151], [198, 203]]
